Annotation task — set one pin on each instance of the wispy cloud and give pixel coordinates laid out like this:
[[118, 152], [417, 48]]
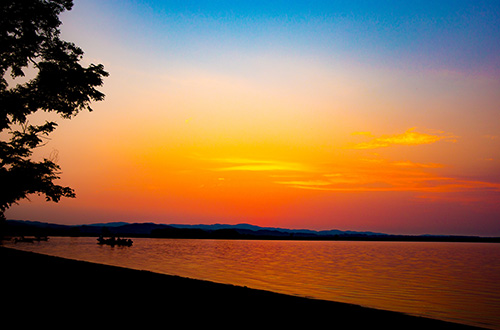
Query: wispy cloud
[[409, 138], [389, 176], [245, 164], [306, 183], [408, 164], [410, 183], [364, 175]]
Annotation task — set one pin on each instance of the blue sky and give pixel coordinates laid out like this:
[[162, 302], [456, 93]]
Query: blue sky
[[456, 35]]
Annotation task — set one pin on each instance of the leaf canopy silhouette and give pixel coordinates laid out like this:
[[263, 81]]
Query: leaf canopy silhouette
[[38, 72]]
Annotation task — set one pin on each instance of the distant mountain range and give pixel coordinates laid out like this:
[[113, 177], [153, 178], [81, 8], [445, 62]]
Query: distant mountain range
[[215, 231], [149, 228]]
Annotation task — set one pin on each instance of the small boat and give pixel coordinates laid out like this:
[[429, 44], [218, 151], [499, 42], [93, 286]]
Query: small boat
[[114, 241], [23, 239]]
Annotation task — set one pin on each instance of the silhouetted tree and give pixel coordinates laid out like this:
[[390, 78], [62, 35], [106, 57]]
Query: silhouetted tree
[[30, 47]]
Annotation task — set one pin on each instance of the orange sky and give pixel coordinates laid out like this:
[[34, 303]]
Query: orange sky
[[300, 121]]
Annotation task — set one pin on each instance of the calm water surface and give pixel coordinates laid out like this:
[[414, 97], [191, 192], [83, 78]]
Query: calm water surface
[[457, 282]]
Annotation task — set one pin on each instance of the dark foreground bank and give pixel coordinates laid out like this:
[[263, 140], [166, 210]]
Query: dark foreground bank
[[44, 290]]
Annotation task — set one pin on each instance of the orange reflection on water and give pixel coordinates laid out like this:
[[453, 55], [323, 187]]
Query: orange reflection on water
[[450, 281]]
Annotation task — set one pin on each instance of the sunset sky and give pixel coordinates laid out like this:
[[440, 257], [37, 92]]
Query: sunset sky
[[351, 115]]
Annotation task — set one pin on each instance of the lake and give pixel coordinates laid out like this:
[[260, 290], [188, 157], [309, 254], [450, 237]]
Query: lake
[[458, 282]]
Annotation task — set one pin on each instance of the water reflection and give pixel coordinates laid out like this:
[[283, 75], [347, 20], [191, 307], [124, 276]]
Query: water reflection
[[449, 281]]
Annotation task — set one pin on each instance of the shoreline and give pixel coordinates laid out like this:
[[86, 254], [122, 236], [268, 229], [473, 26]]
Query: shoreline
[[53, 288]]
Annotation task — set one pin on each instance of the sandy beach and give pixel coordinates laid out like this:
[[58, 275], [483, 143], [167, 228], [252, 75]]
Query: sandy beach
[[39, 289]]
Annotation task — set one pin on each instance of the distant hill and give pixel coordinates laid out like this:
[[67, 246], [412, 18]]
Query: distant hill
[[109, 224], [305, 232], [215, 231]]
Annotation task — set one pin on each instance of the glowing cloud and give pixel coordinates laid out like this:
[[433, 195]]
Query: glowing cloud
[[367, 175], [409, 164], [409, 138], [240, 164], [305, 184], [416, 182]]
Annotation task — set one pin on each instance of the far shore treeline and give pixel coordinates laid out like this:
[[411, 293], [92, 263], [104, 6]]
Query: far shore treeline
[[15, 228]]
